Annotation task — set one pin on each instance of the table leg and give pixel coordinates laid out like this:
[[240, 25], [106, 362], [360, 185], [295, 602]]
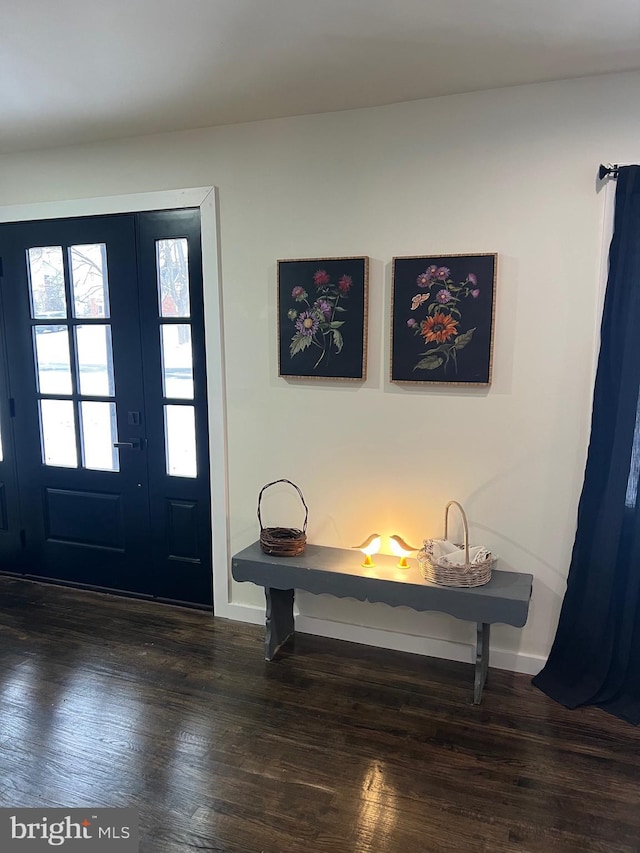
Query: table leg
[[482, 660], [280, 624]]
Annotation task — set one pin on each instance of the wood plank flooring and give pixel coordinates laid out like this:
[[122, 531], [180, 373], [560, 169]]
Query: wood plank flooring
[[335, 748]]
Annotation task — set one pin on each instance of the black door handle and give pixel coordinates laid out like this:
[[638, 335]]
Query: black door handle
[[135, 444]]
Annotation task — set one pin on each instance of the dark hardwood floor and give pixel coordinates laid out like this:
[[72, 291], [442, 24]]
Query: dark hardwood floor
[[335, 747]]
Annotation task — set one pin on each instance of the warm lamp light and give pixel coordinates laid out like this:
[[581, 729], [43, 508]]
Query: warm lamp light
[[371, 545], [401, 549]]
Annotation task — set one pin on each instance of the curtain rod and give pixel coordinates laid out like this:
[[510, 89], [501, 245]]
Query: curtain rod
[[610, 170]]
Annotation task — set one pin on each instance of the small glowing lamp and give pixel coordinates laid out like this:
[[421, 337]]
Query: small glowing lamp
[[371, 545], [401, 549]]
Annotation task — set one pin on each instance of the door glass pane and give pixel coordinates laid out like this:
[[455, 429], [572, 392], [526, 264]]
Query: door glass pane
[[52, 359], [180, 441], [95, 360], [177, 361], [98, 434], [172, 264], [89, 280], [46, 282], [58, 432]]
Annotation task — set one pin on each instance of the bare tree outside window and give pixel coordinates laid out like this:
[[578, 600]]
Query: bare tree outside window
[[88, 266], [46, 282], [172, 259], [89, 280]]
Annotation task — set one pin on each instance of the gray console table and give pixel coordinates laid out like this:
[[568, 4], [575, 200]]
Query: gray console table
[[338, 572]]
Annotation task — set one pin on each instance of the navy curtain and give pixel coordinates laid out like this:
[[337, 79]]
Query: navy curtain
[[595, 659]]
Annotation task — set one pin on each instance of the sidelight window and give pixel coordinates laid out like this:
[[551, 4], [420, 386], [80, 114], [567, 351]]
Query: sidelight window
[[172, 270]]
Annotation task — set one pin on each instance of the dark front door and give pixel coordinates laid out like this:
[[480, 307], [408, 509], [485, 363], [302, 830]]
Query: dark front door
[[104, 471]]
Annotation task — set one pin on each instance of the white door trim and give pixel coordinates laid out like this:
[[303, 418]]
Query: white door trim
[[206, 199]]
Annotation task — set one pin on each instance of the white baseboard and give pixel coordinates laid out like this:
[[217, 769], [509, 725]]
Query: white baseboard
[[429, 646]]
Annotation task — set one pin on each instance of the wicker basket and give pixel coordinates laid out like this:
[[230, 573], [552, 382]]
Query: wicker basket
[[469, 574], [283, 541]]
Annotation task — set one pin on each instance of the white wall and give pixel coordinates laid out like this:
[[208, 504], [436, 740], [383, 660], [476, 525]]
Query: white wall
[[510, 171]]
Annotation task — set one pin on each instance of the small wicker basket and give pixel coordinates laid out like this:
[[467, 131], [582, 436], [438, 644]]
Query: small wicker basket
[[283, 541], [469, 574]]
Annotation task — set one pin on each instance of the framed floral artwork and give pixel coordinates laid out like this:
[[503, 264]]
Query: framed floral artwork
[[322, 318], [442, 319]]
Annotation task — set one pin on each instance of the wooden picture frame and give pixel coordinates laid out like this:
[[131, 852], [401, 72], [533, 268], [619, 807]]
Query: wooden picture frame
[[442, 318], [322, 318]]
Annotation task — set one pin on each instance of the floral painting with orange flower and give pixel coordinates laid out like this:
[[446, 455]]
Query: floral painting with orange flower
[[322, 314], [442, 318]]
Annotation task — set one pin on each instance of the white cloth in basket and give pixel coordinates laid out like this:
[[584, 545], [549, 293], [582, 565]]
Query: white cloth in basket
[[446, 553]]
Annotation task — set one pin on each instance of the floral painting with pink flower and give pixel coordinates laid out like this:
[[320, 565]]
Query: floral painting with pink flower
[[442, 324], [322, 317]]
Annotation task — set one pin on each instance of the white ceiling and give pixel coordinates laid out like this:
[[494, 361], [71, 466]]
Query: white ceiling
[[85, 70]]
